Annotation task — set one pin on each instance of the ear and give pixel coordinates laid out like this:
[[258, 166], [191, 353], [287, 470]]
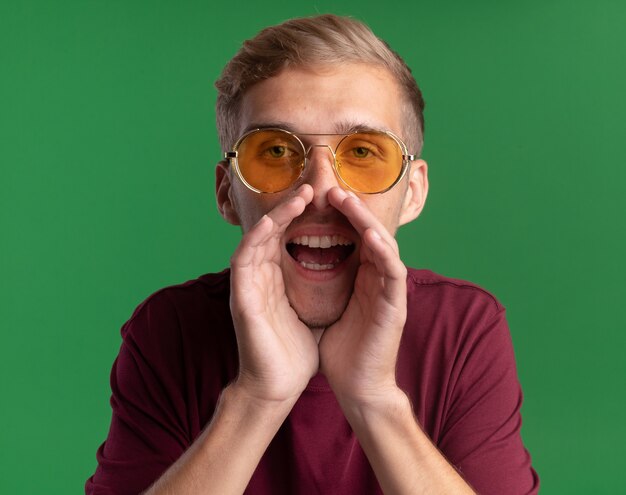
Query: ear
[[416, 192], [223, 193]]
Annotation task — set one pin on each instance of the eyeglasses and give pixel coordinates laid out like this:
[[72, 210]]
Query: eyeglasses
[[271, 160]]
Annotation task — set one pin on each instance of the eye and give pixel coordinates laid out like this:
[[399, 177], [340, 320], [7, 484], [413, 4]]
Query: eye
[[361, 152], [277, 151]]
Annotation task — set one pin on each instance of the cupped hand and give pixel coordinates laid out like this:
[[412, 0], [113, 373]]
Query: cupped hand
[[277, 353], [358, 353]]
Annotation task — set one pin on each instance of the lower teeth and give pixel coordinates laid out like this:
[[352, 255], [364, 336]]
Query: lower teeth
[[315, 266]]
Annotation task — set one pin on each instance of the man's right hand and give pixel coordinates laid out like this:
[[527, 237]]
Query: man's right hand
[[278, 354]]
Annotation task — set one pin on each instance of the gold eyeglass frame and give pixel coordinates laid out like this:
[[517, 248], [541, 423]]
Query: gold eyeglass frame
[[232, 156]]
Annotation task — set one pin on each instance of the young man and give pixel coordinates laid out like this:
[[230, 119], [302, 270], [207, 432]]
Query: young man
[[319, 363]]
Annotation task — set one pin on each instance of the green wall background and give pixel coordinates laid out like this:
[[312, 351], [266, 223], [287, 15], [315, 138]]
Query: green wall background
[[107, 146]]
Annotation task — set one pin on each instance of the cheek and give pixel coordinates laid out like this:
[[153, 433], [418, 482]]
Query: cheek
[[387, 210], [251, 206]]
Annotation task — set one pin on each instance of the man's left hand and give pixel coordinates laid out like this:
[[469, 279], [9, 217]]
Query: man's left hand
[[358, 353]]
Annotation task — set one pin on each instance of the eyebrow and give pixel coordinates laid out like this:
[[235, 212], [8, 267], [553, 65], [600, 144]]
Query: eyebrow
[[267, 125], [341, 128], [349, 126]]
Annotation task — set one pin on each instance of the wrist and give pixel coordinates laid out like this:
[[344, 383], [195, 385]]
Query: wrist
[[376, 405], [248, 398]]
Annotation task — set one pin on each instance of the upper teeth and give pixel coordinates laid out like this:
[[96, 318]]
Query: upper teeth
[[321, 241]]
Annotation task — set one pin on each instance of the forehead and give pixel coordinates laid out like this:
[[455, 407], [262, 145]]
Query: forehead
[[334, 99]]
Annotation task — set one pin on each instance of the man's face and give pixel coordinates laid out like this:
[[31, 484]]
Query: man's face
[[318, 280]]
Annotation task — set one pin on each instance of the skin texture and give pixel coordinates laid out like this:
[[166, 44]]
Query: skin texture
[[292, 322]]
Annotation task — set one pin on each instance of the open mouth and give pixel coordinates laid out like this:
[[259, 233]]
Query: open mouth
[[320, 252]]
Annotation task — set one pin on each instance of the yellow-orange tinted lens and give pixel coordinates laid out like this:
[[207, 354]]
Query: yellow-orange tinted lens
[[270, 160], [369, 162]]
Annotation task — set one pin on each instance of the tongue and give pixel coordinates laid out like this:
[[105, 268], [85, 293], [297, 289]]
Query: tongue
[[321, 256]]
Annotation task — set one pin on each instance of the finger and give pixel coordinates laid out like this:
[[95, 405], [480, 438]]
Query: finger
[[388, 265], [385, 258], [359, 215], [271, 225], [283, 214]]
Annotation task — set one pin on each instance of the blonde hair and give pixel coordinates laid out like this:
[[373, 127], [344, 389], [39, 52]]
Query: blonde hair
[[321, 40]]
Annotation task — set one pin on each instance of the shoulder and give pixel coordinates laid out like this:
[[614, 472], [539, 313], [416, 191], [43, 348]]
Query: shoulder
[[456, 336], [458, 366], [429, 289], [451, 314], [182, 328], [189, 300]]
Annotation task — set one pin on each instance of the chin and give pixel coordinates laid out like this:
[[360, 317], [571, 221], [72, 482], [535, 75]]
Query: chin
[[320, 298], [316, 313]]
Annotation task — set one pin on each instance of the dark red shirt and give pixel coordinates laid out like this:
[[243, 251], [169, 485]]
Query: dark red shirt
[[456, 364]]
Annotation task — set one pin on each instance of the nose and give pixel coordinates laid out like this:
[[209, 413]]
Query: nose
[[320, 173]]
